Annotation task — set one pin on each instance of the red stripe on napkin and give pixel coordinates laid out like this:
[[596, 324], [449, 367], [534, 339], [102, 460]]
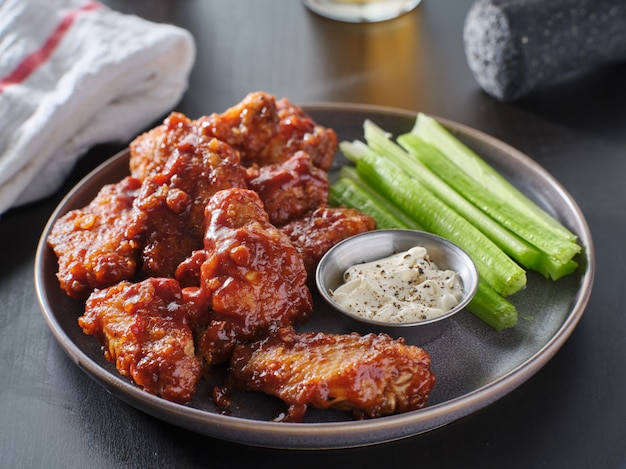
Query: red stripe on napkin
[[32, 61]]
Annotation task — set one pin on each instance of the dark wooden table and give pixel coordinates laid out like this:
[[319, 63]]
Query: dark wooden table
[[571, 414]]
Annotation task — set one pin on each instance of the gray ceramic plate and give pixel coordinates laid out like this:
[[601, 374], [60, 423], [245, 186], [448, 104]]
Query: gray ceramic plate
[[474, 365]]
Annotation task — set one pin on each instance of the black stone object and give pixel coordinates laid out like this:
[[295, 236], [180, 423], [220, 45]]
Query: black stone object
[[515, 46]]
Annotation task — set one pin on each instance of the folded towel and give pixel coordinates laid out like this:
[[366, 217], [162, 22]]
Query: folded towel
[[74, 73]]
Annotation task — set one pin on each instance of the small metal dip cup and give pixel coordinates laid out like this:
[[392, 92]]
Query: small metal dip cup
[[378, 244]]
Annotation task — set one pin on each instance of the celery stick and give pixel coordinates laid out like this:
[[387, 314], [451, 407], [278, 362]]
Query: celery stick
[[555, 270], [378, 140], [493, 265], [347, 192], [519, 222], [433, 132], [349, 172], [492, 308], [353, 150]]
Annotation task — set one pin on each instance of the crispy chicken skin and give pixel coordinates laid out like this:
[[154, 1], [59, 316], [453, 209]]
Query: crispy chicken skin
[[143, 328], [319, 230], [94, 245], [252, 280], [289, 189], [170, 206], [370, 375]]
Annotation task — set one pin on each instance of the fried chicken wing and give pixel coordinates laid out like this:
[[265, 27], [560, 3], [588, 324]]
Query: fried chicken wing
[[247, 126], [143, 328], [253, 278], [289, 189], [298, 132], [150, 151], [370, 375], [94, 245], [170, 207], [267, 131], [321, 229]]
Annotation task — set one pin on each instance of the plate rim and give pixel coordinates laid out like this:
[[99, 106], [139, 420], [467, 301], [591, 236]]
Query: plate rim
[[344, 434]]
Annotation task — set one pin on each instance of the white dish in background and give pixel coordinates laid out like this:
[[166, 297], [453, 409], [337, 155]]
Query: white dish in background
[[474, 365]]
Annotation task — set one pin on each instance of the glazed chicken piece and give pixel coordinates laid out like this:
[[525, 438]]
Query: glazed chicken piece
[[247, 126], [170, 207], [267, 131], [252, 280], [150, 151], [289, 189], [319, 230], [143, 328], [94, 245], [370, 375], [298, 132]]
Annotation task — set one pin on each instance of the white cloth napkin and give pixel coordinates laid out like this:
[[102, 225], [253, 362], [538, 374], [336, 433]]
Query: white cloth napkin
[[74, 73]]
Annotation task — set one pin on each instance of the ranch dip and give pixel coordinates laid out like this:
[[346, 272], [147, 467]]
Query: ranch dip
[[404, 287]]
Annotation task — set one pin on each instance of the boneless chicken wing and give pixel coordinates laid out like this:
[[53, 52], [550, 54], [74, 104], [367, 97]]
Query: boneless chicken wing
[[150, 151], [247, 126], [94, 245], [298, 132], [252, 280], [265, 131], [289, 189], [319, 230], [170, 206], [370, 375], [143, 328]]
